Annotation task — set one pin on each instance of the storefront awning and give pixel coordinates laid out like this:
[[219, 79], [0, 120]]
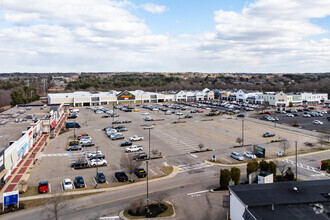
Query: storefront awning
[[22, 148]]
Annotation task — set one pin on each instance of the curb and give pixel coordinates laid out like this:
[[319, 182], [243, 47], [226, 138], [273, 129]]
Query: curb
[[174, 173], [121, 214]]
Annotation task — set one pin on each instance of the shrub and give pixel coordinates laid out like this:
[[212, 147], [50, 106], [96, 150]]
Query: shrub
[[325, 164], [235, 175], [225, 176], [251, 167]]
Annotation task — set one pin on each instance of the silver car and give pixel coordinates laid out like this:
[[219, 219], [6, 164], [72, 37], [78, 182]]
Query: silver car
[[237, 156]]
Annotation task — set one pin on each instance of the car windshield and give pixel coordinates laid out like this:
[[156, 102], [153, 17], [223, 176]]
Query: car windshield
[[67, 183], [80, 180]]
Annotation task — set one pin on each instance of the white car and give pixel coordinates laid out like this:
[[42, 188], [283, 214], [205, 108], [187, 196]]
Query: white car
[[289, 115], [67, 184], [94, 153], [249, 155], [318, 122], [136, 138], [98, 162], [84, 141], [145, 113], [133, 148], [306, 115], [179, 113]]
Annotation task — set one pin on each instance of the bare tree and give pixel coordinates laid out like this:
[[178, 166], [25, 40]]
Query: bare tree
[[137, 206], [5, 97], [159, 196], [154, 151], [239, 140], [55, 204], [201, 146], [284, 145], [281, 166], [128, 164]]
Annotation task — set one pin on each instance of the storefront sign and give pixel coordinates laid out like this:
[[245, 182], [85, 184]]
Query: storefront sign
[[10, 198]]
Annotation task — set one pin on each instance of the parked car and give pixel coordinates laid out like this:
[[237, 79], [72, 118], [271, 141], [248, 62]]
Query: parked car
[[318, 122], [147, 118], [240, 115], [121, 176], [306, 115], [117, 136], [140, 156], [116, 122], [289, 115], [81, 163], [79, 182], [94, 153], [105, 116], [126, 121], [136, 138], [43, 187], [87, 144], [97, 156], [72, 125], [100, 178], [168, 113], [133, 148], [188, 116], [140, 172], [148, 127], [72, 116], [67, 184], [122, 129], [250, 155], [74, 148], [84, 140], [82, 135], [145, 113], [267, 134], [98, 162], [126, 143], [237, 156]]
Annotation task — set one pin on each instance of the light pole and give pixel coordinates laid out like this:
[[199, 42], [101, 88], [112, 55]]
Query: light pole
[[296, 162], [97, 169], [242, 132], [74, 130], [179, 112], [147, 162], [113, 113]]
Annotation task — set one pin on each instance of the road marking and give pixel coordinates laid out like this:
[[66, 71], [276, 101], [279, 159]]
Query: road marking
[[193, 155], [129, 197], [193, 193], [152, 171], [179, 141], [306, 167], [186, 168], [109, 218], [226, 160], [165, 164]]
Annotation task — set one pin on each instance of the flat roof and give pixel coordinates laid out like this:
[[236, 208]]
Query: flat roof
[[282, 193], [12, 130]]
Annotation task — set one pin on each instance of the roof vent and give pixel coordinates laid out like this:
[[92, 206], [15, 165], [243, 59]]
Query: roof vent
[[295, 189]]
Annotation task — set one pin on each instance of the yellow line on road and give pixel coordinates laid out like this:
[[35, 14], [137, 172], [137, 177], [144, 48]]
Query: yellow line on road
[[27, 178], [128, 197]]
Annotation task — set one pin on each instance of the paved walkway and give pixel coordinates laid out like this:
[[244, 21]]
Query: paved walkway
[[26, 165]]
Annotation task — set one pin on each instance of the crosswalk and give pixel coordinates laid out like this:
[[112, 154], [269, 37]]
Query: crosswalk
[[182, 144], [56, 155], [191, 167], [303, 166]]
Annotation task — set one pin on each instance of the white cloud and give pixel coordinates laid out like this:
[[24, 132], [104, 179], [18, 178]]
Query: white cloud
[[154, 9]]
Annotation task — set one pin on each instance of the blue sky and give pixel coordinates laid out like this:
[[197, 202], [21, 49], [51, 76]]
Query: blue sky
[[165, 35]]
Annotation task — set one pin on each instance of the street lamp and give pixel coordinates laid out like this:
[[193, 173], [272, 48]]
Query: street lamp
[[97, 169], [147, 162], [242, 132]]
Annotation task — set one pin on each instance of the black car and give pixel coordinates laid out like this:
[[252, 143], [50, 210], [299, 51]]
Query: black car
[[74, 148], [119, 126], [100, 178], [126, 143], [126, 121], [88, 144], [105, 116], [240, 115], [79, 182], [71, 116], [114, 115], [140, 156], [116, 122], [188, 116], [121, 176], [140, 172], [80, 164], [97, 156]]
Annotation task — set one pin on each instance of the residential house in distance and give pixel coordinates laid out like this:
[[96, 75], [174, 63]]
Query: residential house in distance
[[281, 200]]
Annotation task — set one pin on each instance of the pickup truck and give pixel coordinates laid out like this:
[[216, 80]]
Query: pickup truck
[[267, 134], [133, 148], [136, 138]]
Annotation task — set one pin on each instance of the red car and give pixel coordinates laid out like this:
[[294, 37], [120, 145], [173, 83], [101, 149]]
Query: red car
[[268, 112], [200, 111], [43, 187], [83, 135]]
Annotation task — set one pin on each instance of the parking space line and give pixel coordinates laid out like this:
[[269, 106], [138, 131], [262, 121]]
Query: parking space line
[[153, 172], [193, 155], [193, 193], [61, 186], [226, 160]]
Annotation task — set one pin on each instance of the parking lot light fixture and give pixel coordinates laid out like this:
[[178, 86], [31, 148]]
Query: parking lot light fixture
[[97, 169]]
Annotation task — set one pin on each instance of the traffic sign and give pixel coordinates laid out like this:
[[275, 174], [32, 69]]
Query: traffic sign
[[10, 198]]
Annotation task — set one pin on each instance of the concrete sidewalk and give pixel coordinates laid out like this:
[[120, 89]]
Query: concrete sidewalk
[[110, 189]]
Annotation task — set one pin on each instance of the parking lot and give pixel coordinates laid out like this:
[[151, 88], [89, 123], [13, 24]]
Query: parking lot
[[303, 122], [175, 142]]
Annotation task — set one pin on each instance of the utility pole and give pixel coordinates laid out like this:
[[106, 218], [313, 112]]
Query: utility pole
[[242, 132], [147, 162], [74, 130], [296, 162], [97, 168], [179, 112], [113, 113]]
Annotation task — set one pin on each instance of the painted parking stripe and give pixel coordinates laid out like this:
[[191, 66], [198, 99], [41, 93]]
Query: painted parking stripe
[[193, 193]]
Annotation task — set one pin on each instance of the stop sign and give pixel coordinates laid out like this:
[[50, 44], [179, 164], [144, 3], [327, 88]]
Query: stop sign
[[320, 163]]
